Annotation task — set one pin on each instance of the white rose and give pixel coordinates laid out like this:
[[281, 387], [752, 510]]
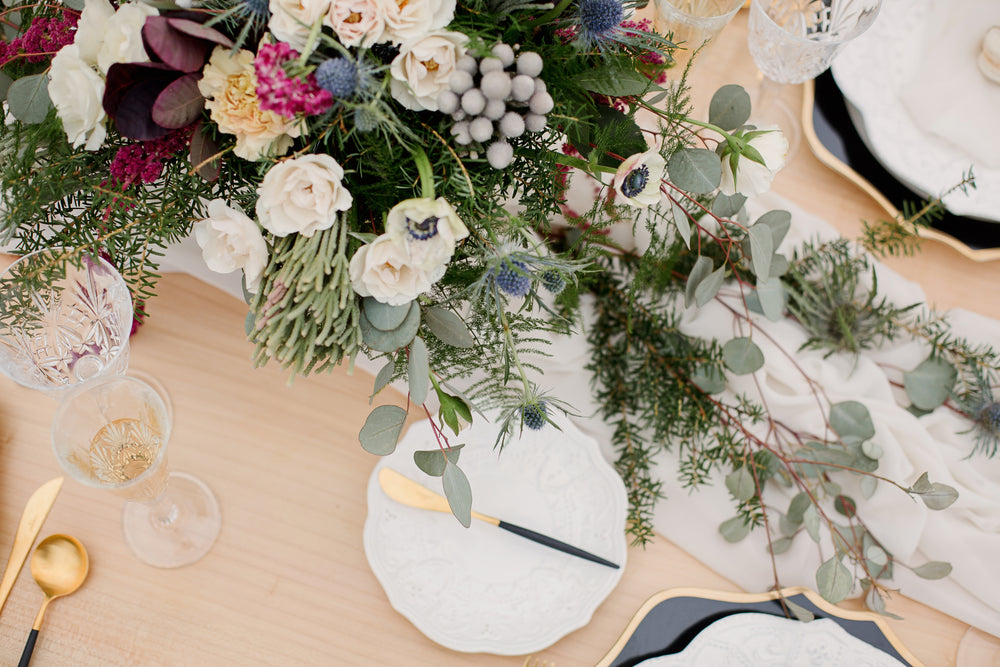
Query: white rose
[[638, 178], [76, 91], [422, 68], [410, 20], [751, 177], [91, 27], [291, 20], [429, 230], [123, 37], [230, 240], [302, 195], [357, 22], [382, 270]]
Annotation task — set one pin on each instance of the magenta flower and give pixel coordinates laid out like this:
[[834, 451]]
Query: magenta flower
[[287, 95]]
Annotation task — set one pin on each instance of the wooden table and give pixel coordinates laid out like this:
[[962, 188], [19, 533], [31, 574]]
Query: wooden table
[[287, 582]]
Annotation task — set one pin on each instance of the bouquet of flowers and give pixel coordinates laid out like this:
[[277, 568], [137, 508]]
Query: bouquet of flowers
[[390, 176]]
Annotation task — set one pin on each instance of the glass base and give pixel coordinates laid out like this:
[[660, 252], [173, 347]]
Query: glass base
[[179, 536]]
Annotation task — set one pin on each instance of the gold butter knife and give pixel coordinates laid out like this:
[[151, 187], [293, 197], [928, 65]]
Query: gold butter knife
[[35, 511]]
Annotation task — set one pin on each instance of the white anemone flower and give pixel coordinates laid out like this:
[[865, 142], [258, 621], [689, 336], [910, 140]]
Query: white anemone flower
[[638, 178]]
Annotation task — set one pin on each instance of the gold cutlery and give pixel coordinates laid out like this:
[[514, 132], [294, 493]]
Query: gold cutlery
[[404, 490], [59, 566], [31, 522]]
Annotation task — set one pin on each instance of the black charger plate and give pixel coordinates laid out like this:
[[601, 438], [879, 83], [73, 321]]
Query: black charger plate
[[835, 141], [668, 621]]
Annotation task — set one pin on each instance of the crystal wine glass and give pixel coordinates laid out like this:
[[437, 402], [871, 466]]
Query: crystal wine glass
[[792, 41], [111, 433], [62, 323]]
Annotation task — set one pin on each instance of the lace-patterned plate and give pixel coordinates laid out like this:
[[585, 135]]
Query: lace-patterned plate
[[871, 71], [482, 589]]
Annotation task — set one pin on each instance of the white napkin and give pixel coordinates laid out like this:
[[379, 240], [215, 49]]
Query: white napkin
[[948, 96], [967, 534]]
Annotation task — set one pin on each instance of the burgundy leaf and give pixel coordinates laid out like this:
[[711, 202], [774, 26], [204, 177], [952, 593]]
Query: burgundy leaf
[[123, 76], [203, 148], [198, 31], [129, 94], [175, 48], [180, 103]]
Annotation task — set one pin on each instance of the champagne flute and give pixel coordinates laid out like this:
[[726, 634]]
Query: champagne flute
[[111, 433], [792, 41]]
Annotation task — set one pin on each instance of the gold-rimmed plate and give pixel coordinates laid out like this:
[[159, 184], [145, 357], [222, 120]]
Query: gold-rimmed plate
[[669, 620], [836, 164]]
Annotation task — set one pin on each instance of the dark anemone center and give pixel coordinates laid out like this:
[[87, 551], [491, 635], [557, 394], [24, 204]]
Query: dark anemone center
[[424, 229], [635, 181]]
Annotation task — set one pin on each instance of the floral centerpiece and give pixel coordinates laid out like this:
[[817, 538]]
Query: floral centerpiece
[[390, 178]]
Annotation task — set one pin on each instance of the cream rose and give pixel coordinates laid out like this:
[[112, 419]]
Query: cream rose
[[291, 20], [422, 68], [382, 270], [76, 91], [122, 41], [357, 22], [429, 230], [749, 177], [230, 240], [91, 27], [230, 84], [302, 196], [410, 20]]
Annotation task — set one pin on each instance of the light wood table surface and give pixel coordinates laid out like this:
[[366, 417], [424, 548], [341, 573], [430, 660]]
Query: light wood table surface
[[287, 582]]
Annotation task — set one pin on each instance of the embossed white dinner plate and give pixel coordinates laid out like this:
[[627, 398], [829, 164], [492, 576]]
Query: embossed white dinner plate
[[871, 71], [744, 640], [483, 589]]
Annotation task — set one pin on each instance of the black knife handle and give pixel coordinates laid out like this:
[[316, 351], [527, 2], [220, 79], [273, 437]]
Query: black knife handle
[[28, 649], [554, 543]]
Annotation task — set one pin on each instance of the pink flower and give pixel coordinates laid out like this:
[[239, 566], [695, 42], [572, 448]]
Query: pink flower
[[142, 162], [286, 95], [42, 39]]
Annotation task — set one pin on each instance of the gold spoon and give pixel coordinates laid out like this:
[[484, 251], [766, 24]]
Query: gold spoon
[[59, 566]]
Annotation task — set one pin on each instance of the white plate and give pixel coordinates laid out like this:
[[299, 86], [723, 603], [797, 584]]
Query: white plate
[[483, 589], [762, 639], [870, 71]]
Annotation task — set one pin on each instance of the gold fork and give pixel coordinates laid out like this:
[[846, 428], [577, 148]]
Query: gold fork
[[532, 661]]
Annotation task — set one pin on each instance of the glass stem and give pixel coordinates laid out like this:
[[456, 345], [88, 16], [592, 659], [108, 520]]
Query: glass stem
[[164, 512]]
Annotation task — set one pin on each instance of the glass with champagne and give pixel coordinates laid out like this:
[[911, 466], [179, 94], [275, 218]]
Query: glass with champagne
[[112, 433], [693, 23]]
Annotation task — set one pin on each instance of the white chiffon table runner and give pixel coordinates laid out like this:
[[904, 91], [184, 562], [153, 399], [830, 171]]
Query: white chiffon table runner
[[967, 534]]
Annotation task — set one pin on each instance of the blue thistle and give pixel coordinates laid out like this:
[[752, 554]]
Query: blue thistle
[[257, 9], [365, 120], [984, 410], [512, 277], [553, 281], [533, 415], [339, 76], [600, 20]]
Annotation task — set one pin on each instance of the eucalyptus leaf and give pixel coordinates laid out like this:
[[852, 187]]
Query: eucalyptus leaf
[[761, 250], [845, 505], [5, 82], [382, 379], [709, 378], [935, 569], [810, 519], [796, 509], [742, 356], [727, 206], [730, 107], [833, 580], [458, 492], [735, 529], [382, 316], [779, 265], [248, 323], [681, 221], [741, 484], [695, 170], [872, 449], [709, 287], [701, 269], [433, 461], [868, 486], [800, 612], [939, 496], [922, 485], [851, 419], [810, 459], [917, 412], [779, 222], [390, 341], [931, 383], [74, 4], [448, 327], [781, 545], [772, 298], [381, 431], [877, 555], [28, 99], [418, 371]]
